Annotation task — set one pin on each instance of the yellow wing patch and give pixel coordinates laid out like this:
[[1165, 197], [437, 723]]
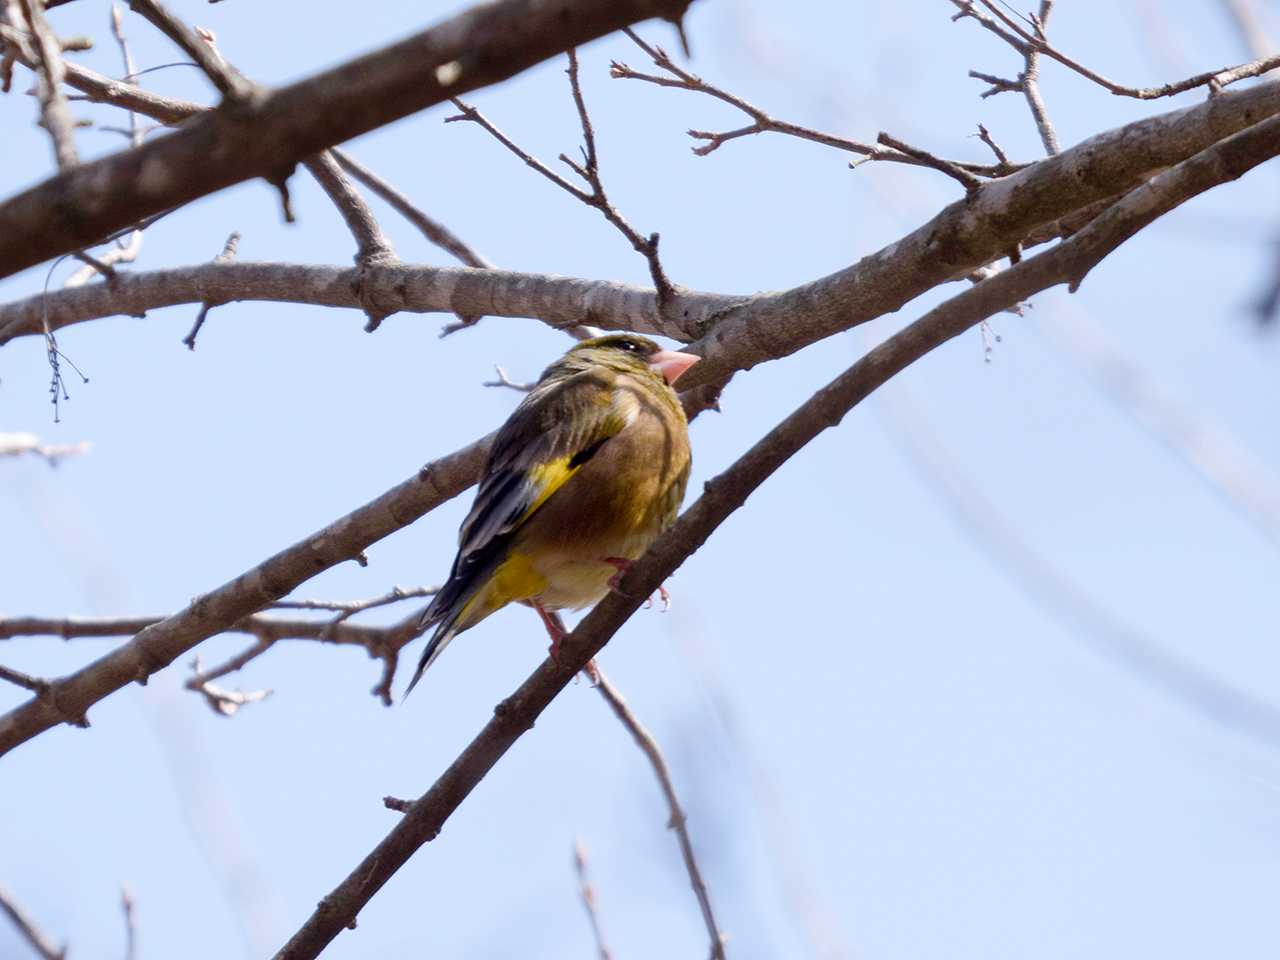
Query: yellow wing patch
[[547, 478]]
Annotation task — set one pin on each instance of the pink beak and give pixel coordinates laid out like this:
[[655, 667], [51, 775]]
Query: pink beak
[[671, 364]]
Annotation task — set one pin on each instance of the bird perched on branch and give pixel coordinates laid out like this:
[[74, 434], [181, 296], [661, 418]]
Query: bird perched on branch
[[581, 479]]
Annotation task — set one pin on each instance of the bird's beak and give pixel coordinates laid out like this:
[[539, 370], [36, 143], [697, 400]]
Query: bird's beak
[[670, 364]]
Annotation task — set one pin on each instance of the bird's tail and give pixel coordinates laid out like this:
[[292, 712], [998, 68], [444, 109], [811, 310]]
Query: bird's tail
[[444, 613]]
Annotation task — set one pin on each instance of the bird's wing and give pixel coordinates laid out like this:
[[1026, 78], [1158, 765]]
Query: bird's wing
[[558, 428]]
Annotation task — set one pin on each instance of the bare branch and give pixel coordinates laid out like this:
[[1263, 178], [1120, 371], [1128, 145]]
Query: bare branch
[[678, 821], [226, 703], [26, 681], [505, 381], [104, 265], [589, 171], [588, 894], [1068, 262], [560, 302], [229, 82], [433, 230], [17, 444], [381, 643], [681, 79], [267, 135], [969, 181], [36, 938], [53, 103], [1018, 37], [1244, 16], [1031, 84], [130, 924], [227, 255]]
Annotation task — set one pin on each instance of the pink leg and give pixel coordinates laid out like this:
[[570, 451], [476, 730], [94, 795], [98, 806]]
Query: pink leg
[[622, 565], [555, 627]]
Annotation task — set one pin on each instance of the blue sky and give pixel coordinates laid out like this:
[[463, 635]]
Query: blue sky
[[887, 744]]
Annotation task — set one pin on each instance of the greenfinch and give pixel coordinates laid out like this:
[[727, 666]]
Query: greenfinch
[[582, 478]]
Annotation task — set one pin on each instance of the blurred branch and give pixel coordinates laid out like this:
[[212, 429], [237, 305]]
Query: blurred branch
[[678, 820], [1017, 36], [56, 115], [1244, 15], [588, 893], [40, 943], [1142, 655], [433, 230], [130, 924], [17, 444], [1216, 457]]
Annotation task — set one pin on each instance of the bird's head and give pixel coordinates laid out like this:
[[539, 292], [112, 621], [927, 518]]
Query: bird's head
[[630, 352]]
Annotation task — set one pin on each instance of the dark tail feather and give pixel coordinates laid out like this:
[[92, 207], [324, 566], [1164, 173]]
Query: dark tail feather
[[435, 646], [443, 613]]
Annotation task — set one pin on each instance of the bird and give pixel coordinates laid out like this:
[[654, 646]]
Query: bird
[[585, 474]]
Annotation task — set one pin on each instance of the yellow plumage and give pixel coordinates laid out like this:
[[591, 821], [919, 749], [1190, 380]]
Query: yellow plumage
[[583, 477]]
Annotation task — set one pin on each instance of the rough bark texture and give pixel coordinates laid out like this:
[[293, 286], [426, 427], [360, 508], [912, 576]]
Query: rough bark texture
[[267, 134]]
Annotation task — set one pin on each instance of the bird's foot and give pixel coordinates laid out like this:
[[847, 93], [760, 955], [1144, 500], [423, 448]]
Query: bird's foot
[[622, 564]]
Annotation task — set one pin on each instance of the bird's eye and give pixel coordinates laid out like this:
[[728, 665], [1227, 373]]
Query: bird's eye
[[629, 345]]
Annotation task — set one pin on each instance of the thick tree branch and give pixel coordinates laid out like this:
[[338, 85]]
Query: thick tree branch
[[159, 644], [267, 135], [1036, 204], [1068, 263], [737, 342], [396, 288]]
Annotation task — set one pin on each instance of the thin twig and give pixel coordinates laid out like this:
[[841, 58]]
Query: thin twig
[[588, 894], [505, 381], [226, 256], [1022, 40], [225, 703], [130, 924], [26, 681], [969, 181], [433, 230], [589, 170], [985, 136], [230, 83], [681, 79], [34, 936], [678, 822]]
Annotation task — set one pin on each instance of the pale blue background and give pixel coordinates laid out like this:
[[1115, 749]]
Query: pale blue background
[[889, 748]]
